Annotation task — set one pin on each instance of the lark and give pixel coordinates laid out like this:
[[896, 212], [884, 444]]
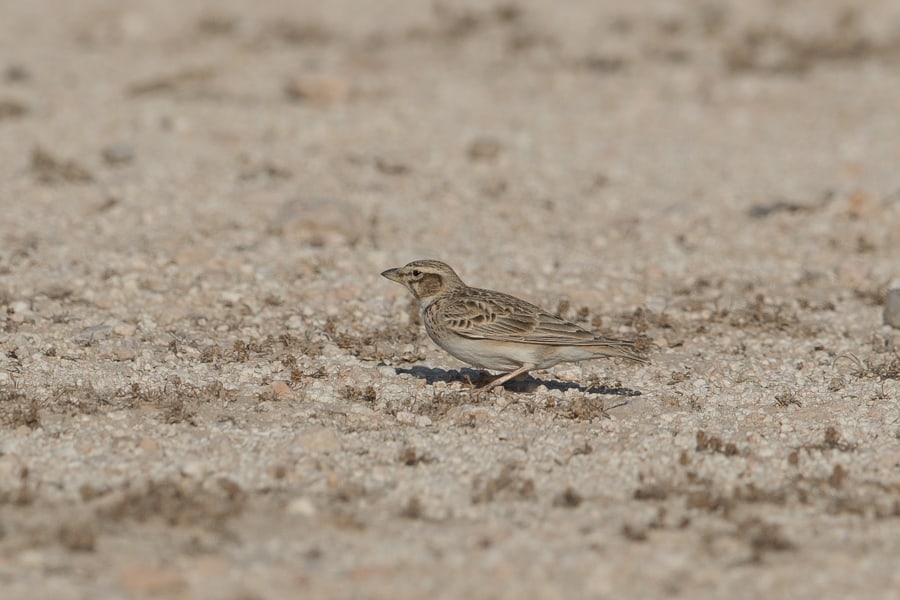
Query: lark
[[495, 331]]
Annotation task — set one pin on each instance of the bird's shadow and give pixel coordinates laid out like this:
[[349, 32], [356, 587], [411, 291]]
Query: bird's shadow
[[526, 384]]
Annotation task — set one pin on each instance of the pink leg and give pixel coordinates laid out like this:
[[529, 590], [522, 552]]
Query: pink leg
[[501, 380]]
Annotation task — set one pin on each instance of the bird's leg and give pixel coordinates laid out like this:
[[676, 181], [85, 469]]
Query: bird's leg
[[504, 378]]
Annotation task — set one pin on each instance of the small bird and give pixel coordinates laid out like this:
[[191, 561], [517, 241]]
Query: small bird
[[496, 331]]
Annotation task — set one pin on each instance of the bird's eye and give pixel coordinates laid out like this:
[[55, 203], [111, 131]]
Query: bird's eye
[[416, 273]]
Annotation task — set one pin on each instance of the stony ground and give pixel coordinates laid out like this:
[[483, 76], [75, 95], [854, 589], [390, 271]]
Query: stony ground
[[206, 389]]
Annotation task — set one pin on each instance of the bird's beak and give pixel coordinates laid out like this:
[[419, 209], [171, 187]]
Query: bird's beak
[[393, 275]]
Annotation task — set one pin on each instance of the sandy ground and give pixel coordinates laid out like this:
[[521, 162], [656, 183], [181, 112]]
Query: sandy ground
[[207, 391]]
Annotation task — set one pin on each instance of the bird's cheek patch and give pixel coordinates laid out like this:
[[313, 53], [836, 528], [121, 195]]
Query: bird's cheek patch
[[429, 285]]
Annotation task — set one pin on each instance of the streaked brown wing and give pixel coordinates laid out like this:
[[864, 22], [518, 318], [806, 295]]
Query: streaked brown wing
[[481, 314]]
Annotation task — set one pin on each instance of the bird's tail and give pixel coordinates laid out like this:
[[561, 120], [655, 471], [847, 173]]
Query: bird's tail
[[614, 348]]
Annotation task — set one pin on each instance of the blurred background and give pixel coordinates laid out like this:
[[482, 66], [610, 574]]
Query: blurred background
[[207, 390]]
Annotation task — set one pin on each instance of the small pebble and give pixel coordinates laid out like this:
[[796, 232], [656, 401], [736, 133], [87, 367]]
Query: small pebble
[[570, 374], [16, 74], [117, 154], [32, 559], [302, 506], [20, 306], [125, 352], [406, 417], [281, 390], [484, 148], [319, 90], [194, 470], [892, 308]]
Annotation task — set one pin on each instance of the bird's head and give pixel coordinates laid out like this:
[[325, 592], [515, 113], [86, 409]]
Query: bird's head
[[426, 279]]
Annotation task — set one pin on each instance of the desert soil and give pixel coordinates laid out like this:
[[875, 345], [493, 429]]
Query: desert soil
[[207, 391]]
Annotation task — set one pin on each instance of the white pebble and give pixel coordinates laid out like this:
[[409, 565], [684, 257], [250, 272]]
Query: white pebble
[[405, 417], [301, 506]]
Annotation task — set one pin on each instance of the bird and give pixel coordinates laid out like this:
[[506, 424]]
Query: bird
[[496, 331]]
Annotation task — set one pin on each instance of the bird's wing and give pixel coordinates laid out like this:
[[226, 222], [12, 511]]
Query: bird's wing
[[497, 316]]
